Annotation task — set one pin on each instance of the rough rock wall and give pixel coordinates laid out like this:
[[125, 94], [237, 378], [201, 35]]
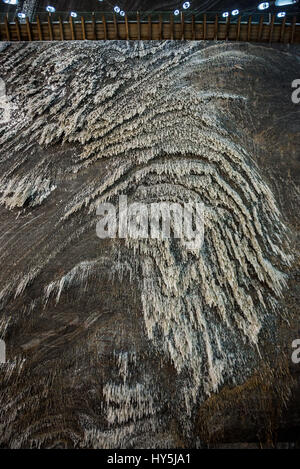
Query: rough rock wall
[[144, 343]]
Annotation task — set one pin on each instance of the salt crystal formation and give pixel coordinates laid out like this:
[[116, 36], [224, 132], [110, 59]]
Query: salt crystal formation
[[117, 343]]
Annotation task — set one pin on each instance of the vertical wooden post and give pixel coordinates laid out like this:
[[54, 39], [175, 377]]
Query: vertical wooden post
[[271, 28], [293, 30], [28, 29], [18, 28], [138, 25], [127, 28], [227, 28], [104, 27], [83, 29], [193, 28], [38, 23], [216, 28], [149, 28], [238, 28], [94, 33], [204, 26], [61, 29], [116, 27], [7, 28], [182, 26], [160, 28], [171, 26], [260, 28], [72, 28], [249, 28], [282, 30], [50, 27]]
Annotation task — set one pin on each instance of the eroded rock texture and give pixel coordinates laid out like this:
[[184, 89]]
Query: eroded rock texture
[[123, 343]]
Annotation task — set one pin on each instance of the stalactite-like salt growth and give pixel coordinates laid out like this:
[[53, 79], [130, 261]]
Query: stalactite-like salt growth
[[141, 124], [29, 191], [125, 403]]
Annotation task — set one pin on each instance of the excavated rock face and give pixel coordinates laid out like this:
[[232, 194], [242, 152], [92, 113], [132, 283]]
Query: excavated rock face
[[119, 343]]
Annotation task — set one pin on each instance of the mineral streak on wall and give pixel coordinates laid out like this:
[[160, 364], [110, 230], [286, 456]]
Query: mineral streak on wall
[[142, 343]]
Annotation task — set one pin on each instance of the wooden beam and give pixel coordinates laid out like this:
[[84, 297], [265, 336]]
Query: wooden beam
[[271, 28], [204, 26], [40, 32], [176, 29], [7, 31], [104, 27], [61, 29], [50, 27], [149, 28], [83, 29], [293, 30], [260, 28], [216, 26], [160, 28], [249, 28], [182, 26], [171, 26], [94, 32], [72, 28], [138, 26], [238, 28], [193, 28], [282, 30], [116, 26], [28, 29], [227, 28], [126, 28], [18, 29]]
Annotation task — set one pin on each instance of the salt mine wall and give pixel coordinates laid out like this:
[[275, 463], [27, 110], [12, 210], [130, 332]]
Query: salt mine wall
[[129, 342]]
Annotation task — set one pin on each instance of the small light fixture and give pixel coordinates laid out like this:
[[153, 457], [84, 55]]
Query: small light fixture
[[73, 14], [281, 3], [225, 14], [263, 6], [235, 12], [21, 16], [176, 12], [281, 14], [50, 9], [122, 13], [11, 2], [186, 5], [117, 9]]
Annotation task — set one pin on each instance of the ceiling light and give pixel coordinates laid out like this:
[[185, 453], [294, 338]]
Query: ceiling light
[[281, 3], [263, 6]]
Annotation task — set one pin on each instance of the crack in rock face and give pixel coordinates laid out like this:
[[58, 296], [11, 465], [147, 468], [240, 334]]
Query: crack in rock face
[[112, 341]]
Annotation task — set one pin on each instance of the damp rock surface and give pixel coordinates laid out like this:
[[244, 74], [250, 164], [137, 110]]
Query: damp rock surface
[[143, 343]]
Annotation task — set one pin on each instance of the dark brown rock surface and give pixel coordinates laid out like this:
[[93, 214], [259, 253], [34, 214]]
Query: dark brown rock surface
[[121, 343]]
